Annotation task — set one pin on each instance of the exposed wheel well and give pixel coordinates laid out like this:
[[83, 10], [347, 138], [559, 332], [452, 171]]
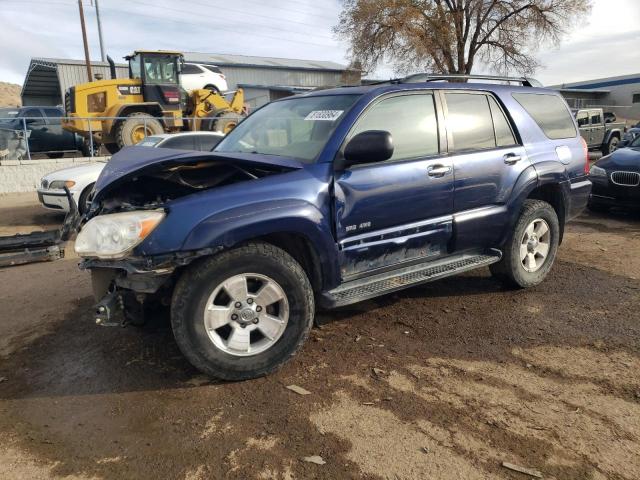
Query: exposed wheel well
[[552, 194], [301, 249]]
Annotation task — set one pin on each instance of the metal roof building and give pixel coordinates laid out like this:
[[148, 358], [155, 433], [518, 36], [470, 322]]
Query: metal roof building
[[620, 95], [263, 78]]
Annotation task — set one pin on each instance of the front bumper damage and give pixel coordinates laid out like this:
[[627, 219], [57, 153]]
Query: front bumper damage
[[130, 290], [40, 246]]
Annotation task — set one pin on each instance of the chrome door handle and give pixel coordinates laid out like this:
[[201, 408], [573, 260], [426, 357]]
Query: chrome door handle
[[511, 158], [438, 170]]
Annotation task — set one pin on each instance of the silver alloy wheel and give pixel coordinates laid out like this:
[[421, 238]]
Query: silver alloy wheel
[[246, 314], [535, 245]]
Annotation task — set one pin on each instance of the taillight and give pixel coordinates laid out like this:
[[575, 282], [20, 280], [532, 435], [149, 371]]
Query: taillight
[[586, 156], [171, 96]]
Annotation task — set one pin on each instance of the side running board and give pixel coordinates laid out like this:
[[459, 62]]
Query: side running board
[[365, 288]]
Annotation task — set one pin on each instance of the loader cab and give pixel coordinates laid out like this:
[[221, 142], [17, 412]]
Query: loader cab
[[159, 75]]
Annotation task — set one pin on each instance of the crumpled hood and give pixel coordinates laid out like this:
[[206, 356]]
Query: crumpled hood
[[131, 161], [625, 158]]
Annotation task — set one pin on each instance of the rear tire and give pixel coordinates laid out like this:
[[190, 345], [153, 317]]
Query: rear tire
[[531, 248], [86, 148], [55, 154], [204, 290], [223, 123], [213, 88], [135, 128]]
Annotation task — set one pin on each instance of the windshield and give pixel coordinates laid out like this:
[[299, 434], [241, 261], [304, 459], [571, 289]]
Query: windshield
[[298, 127], [160, 69]]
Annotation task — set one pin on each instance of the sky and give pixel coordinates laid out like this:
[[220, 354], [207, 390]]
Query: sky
[[605, 44]]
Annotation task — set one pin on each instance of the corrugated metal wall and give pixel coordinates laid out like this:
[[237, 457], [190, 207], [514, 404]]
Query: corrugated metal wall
[[268, 77], [70, 75]]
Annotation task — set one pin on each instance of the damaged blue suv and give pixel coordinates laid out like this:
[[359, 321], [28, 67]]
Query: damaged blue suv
[[330, 198]]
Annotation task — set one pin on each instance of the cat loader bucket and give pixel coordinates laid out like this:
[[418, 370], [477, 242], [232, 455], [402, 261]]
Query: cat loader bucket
[[40, 246]]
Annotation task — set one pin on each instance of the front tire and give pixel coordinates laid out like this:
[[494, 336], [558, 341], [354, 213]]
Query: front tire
[[531, 248], [136, 128], [611, 146], [243, 313]]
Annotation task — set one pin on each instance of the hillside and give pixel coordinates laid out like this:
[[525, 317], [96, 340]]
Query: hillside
[[9, 94]]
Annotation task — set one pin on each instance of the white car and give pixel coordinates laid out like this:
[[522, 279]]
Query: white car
[[81, 179], [195, 76]]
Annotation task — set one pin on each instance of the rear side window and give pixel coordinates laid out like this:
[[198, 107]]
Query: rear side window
[[186, 142], [411, 121], [212, 68], [189, 69], [549, 112], [504, 134], [596, 118], [469, 121]]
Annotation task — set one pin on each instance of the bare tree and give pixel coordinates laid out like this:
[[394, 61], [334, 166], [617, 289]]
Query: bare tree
[[448, 36]]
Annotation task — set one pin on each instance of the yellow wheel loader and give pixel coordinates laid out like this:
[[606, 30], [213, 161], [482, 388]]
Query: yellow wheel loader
[[149, 102]]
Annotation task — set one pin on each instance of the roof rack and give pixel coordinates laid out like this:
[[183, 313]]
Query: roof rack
[[434, 77]]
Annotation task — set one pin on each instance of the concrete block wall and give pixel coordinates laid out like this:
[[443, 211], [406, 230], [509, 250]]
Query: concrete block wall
[[24, 175]]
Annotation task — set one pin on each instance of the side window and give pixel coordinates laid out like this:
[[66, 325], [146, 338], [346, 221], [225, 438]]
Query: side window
[[550, 113], [583, 119], [54, 115], [411, 120], [35, 114], [208, 142], [596, 118], [183, 142], [469, 121], [504, 134], [190, 69]]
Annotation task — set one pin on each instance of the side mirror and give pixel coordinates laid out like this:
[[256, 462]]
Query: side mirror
[[368, 147]]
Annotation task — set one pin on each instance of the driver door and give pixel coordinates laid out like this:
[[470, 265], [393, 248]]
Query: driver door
[[398, 211]]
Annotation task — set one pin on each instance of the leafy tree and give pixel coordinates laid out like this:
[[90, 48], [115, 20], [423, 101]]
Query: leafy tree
[[449, 36]]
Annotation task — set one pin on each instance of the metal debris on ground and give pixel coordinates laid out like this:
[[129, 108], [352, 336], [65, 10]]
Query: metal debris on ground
[[378, 372], [298, 390], [525, 470], [317, 459]]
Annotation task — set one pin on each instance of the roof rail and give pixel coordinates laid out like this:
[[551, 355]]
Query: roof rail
[[434, 77]]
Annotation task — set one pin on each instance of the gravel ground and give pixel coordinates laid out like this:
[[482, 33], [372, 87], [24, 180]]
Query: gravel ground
[[467, 376]]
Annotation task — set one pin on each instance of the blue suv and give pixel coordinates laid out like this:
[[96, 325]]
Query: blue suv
[[330, 198]]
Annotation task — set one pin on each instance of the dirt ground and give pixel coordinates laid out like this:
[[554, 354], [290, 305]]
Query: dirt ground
[[468, 376]]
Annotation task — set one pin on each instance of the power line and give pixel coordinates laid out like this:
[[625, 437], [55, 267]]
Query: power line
[[141, 2], [219, 27]]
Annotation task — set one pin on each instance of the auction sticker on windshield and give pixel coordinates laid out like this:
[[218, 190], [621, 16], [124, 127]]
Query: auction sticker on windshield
[[327, 115]]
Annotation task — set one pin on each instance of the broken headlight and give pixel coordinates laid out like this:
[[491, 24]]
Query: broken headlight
[[115, 234]]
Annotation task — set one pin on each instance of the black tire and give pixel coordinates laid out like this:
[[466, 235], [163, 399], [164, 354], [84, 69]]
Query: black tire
[[510, 269], [126, 130], [223, 123], [213, 88], [611, 146], [55, 154], [198, 282], [83, 206], [85, 148], [112, 148]]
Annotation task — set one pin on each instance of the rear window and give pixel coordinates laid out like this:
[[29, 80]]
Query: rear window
[[212, 68], [550, 113]]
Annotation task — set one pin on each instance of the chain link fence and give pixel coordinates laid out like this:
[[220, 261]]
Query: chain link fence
[[33, 138]]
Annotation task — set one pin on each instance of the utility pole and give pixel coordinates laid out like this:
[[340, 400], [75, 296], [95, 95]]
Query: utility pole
[[102, 55], [84, 41]]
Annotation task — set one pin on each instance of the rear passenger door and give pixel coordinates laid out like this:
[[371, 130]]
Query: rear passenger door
[[398, 211], [487, 161], [56, 137]]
